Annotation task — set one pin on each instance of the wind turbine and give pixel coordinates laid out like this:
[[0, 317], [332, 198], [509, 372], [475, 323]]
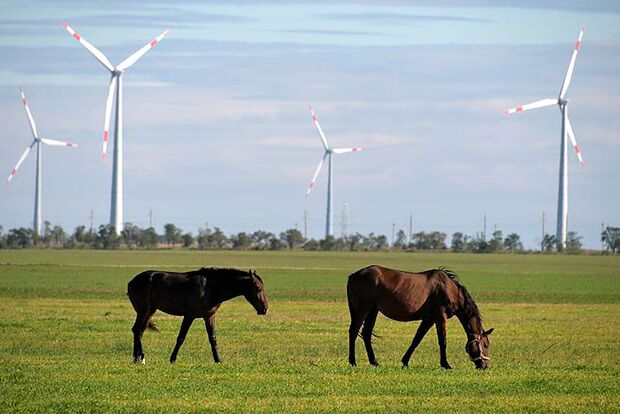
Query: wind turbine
[[567, 132], [116, 85], [36, 141], [328, 154]]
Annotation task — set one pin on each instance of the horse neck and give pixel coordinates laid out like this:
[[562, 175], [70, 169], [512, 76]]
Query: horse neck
[[225, 288], [472, 324]]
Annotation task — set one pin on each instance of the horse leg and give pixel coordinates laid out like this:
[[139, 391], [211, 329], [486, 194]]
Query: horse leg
[[187, 322], [441, 337], [210, 325], [354, 328], [369, 324], [425, 325], [138, 329]]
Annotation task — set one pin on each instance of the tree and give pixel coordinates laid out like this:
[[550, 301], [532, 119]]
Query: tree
[[188, 240], [512, 243], [458, 242], [58, 235], [292, 238], [573, 243], [172, 234], [438, 240], [401, 240], [132, 235], [241, 241], [79, 236], [496, 243], [311, 245], [476, 244], [106, 238], [261, 239], [611, 237], [549, 243], [46, 238], [150, 238], [327, 243], [275, 243], [20, 238], [217, 239]]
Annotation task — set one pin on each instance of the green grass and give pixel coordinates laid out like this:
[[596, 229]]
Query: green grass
[[65, 339]]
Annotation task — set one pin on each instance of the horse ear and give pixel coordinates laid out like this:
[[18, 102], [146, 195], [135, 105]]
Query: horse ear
[[489, 332]]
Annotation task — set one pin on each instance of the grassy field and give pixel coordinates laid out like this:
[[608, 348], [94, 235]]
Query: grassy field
[[65, 339]]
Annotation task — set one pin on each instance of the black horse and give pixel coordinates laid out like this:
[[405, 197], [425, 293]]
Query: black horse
[[195, 294]]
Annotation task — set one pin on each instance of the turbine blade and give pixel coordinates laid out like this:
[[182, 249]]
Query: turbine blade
[[58, 143], [318, 127], [108, 115], [137, 55], [21, 159], [92, 49], [346, 150], [316, 174], [571, 65], [571, 135], [33, 126], [533, 105]]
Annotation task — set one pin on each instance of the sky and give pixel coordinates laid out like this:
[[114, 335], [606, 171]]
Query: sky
[[217, 130]]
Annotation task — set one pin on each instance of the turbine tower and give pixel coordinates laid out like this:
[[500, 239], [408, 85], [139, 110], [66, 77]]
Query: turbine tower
[[567, 133], [116, 86], [36, 141], [328, 154]]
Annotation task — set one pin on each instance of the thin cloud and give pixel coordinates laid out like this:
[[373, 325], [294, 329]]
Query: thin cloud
[[399, 18]]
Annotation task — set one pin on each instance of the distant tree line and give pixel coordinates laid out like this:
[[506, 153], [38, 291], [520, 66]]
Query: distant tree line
[[134, 237]]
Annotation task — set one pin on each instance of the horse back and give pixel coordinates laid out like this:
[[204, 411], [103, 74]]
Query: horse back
[[171, 292], [399, 295]]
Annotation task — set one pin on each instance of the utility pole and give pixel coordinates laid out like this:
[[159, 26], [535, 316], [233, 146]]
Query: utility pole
[[305, 224], [150, 217], [410, 228], [393, 229], [484, 228], [91, 220], [542, 238], [344, 221]]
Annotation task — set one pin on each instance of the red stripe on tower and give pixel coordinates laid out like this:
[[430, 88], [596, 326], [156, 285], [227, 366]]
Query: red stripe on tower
[[519, 109], [13, 171], [77, 36], [154, 42], [577, 45], [105, 136]]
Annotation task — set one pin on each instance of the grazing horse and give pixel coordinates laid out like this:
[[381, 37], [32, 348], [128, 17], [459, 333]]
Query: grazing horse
[[195, 294], [432, 297]]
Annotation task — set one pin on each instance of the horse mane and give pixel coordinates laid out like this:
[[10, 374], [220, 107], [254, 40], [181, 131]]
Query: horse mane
[[222, 272], [469, 306]]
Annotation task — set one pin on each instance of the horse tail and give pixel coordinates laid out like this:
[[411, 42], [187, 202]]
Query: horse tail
[[152, 326]]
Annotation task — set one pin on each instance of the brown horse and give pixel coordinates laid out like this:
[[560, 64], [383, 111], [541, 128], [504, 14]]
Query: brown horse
[[195, 294], [432, 297]]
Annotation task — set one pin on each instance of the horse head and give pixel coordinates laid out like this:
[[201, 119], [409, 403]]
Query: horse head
[[478, 349], [255, 293]]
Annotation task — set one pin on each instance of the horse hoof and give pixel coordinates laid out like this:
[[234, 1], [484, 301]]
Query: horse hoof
[[143, 362], [447, 366], [404, 366], [374, 363]]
